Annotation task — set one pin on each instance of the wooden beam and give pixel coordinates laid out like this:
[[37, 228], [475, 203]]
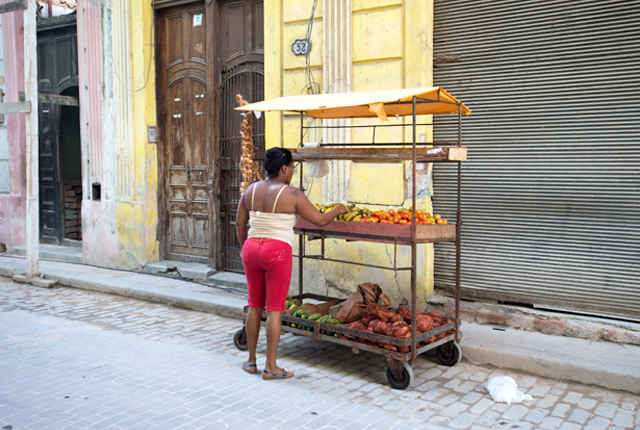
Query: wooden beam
[[16, 107], [59, 100], [13, 6]]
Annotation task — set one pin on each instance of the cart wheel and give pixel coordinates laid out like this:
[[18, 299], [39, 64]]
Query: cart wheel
[[240, 340], [405, 380], [449, 354]]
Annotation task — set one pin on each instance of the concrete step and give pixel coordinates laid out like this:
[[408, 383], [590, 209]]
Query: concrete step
[[69, 254], [197, 272]]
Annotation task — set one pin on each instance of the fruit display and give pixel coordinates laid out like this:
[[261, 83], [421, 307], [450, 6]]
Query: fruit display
[[391, 216], [305, 315], [403, 216], [353, 214], [397, 324]]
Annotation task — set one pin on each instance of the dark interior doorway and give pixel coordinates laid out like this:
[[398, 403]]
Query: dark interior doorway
[[70, 161]]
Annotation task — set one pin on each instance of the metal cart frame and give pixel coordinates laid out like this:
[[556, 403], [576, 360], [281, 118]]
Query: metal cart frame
[[399, 372]]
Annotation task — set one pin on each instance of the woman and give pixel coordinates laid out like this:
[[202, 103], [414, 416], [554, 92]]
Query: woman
[[272, 209]]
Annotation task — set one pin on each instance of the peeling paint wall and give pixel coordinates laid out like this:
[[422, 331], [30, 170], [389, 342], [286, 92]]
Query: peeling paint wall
[[13, 197], [136, 207], [99, 241], [391, 48]]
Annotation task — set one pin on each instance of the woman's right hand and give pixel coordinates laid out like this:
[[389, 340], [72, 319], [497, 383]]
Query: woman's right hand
[[339, 209]]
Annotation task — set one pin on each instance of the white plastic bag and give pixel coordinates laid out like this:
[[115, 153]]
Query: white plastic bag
[[317, 168], [504, 389]]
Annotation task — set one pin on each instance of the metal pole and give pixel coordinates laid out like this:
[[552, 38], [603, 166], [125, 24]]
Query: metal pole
[[414, 248], [301, 245], [458, 228], [31, 89]]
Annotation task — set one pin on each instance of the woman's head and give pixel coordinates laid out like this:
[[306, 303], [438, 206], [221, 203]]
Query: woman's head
[[275, 159]]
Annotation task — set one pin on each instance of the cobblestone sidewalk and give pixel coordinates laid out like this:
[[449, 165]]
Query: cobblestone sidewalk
[[143, 365]]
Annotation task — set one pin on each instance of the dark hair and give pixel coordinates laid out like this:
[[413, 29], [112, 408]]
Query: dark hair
[[274, 159]]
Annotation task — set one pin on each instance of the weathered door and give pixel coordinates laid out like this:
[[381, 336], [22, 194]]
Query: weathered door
[[57, 72], [186, 120], [242, 53]]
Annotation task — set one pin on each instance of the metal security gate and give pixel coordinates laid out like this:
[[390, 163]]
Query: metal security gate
[[248, 80], [551, 192]]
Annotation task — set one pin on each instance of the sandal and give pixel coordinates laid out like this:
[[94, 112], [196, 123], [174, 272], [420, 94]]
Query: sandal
[[270, 375], [250, 368]]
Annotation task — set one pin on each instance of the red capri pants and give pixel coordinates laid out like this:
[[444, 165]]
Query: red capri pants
[[267, 264]]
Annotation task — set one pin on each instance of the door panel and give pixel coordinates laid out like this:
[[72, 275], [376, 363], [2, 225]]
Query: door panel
[[242, 73], [186, 154]]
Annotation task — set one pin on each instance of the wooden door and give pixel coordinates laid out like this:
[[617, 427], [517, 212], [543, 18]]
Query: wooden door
[[57, 72], [242, 54], [185, 120]]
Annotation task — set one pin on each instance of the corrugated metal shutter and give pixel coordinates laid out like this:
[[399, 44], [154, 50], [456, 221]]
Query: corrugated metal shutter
[[550, 192]]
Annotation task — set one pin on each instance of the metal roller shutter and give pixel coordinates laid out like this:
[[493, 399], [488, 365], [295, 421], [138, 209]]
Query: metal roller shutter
[[550, 191]]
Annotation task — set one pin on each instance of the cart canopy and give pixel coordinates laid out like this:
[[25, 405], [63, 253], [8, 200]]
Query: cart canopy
[[365, 104]]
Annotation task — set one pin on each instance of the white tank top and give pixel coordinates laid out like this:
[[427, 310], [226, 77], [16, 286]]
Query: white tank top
[[271, 225]]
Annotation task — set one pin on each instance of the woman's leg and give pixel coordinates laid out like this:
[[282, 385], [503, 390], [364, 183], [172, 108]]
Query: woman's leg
[[276, 260], [253, 330], [274, 322], [256, 292]]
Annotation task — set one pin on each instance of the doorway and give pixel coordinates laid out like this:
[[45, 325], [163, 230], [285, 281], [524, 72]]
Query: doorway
[[242, 72], [184, 58], [59, 132], [206, 53]]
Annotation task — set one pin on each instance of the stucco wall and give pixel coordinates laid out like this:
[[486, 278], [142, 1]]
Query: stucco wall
[[5, 185], [12, 203], [136, 209], [391, 48]]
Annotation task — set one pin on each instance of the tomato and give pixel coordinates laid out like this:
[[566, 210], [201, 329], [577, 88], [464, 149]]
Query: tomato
[[441, 221], [427, 215], [431, 221], [419, 217], [405, 215], [437, 217], [374, 220], [419, 212], [384, 221], [403, 222], [391, 212], [365, 219]]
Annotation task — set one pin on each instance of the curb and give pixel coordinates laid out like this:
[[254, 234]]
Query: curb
[[553, 365], [192, 300]]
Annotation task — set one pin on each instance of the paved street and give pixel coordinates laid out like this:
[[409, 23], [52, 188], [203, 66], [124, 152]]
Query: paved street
[[75, 359]]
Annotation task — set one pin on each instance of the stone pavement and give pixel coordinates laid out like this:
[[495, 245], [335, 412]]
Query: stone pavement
[[82, 359], [590, 361]]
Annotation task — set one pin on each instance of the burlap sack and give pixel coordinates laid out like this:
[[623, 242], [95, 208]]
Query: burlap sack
[[352, 309], [370, 292]]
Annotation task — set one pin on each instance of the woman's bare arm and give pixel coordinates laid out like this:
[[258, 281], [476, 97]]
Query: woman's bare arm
[[308, 211], [242, 218]]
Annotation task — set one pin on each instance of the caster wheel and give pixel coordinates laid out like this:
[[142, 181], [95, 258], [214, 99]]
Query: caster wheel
[[240, 340], [404, 381], [449, 354]]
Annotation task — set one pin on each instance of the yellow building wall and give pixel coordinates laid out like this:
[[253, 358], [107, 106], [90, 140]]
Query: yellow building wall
[[392, 45], [137, 218]]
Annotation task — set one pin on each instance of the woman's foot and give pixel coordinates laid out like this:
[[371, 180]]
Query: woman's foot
[[250, 367], [282, 374]]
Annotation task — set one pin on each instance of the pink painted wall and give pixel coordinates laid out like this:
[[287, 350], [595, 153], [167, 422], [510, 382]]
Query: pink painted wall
[[99, 232], [13, 206]]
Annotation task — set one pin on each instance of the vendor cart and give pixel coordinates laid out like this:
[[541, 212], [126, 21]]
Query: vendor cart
[[381, 104]]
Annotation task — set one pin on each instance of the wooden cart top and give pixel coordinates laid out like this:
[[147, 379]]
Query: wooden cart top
[[368, 104]]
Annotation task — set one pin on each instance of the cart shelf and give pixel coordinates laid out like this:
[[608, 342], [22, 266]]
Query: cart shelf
[[384, 233], [379, 154]]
